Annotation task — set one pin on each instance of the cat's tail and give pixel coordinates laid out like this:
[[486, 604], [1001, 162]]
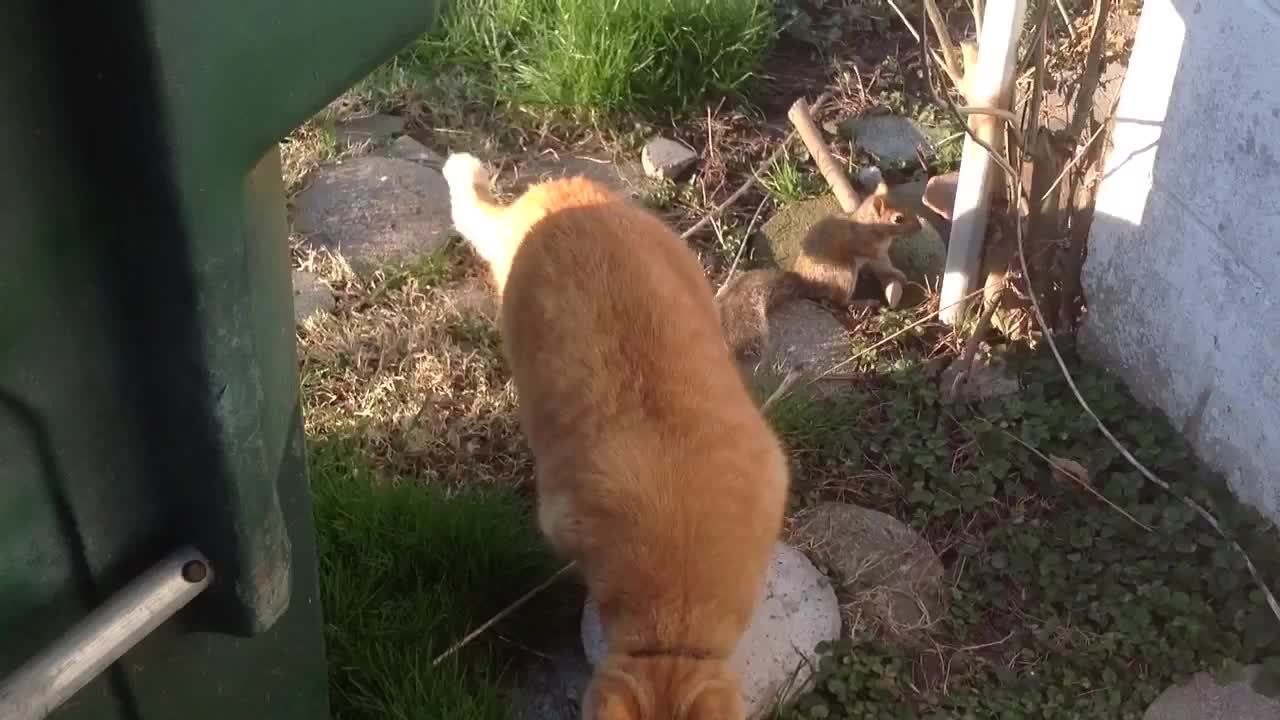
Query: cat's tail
[[478, 217]]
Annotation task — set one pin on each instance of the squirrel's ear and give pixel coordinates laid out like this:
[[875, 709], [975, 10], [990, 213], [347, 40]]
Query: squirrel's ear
[[878, 203]]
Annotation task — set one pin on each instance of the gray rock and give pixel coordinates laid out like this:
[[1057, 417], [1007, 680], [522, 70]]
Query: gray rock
[[620, 177], [782, 235], [375, 210], [371, 128], [922, 256], [887, 571], [310, 296], [1202, 698], [869, 176], [987, 378], [890, 138], [775, 657], [553, 687], [406, 148], [666, 159], [802, 334]]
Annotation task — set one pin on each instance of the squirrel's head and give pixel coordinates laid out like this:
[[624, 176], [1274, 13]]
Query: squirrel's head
[[890, 216]]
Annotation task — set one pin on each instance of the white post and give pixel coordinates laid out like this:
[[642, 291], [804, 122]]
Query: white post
[[988, 84]]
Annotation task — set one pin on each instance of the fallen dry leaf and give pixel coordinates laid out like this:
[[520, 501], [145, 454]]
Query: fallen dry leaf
[[1064, 469]]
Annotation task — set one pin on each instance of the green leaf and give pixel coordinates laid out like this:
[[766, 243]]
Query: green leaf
[[1271, 664], [819, 712], [1229, 671]]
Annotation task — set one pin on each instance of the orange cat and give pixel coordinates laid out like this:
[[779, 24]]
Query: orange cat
[[656, 472]]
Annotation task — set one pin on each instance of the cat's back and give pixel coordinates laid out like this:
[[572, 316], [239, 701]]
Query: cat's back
[[604, 295], [590, 241]]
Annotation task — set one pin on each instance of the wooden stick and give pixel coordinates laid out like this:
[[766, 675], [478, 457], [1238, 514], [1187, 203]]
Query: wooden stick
[[802, 120], [751, 181]]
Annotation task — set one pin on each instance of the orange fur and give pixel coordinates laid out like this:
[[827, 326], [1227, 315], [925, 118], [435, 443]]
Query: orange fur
[[656, 472]]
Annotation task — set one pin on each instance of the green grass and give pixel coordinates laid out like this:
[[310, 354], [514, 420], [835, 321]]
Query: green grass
[[405, 571], [584, 57], [786, 181]]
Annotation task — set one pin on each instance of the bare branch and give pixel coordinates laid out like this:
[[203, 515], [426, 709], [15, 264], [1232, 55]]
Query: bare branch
[[834, 174], [950, 54], [1092, 69]]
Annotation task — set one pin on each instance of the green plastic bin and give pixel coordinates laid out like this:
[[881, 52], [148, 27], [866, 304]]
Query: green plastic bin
[[148, 377]]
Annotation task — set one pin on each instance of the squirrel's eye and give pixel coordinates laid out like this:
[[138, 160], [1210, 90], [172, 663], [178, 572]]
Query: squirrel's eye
[[899, 218]]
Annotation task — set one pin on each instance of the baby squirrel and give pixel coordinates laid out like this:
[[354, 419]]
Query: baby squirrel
[[832, 255]]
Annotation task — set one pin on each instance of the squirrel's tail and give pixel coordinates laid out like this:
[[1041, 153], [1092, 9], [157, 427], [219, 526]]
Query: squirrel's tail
[[744, 304]]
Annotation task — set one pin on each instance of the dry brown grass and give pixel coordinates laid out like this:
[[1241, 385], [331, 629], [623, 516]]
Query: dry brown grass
[[881, 595], [409, 362], [306, 148]]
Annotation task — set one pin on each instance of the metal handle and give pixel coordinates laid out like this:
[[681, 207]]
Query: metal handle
[[92, 645]]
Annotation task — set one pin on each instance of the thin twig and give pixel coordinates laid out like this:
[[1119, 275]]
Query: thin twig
[[746, 239], [1010, 118], [829, 372], [501, 614], [1007, 115], [975, 338], [905, 21], [751, 181], [1071, 30], [1081, 152], [794, 375], [957, 79], [1066, 471], [1092, 68], [1036, 99], [950, 54], [983, 646]]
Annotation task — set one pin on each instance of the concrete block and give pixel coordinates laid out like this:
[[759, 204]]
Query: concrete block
[[1183, 271]]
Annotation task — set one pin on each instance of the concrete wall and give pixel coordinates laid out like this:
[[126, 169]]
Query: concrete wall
[[1183, 273]]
